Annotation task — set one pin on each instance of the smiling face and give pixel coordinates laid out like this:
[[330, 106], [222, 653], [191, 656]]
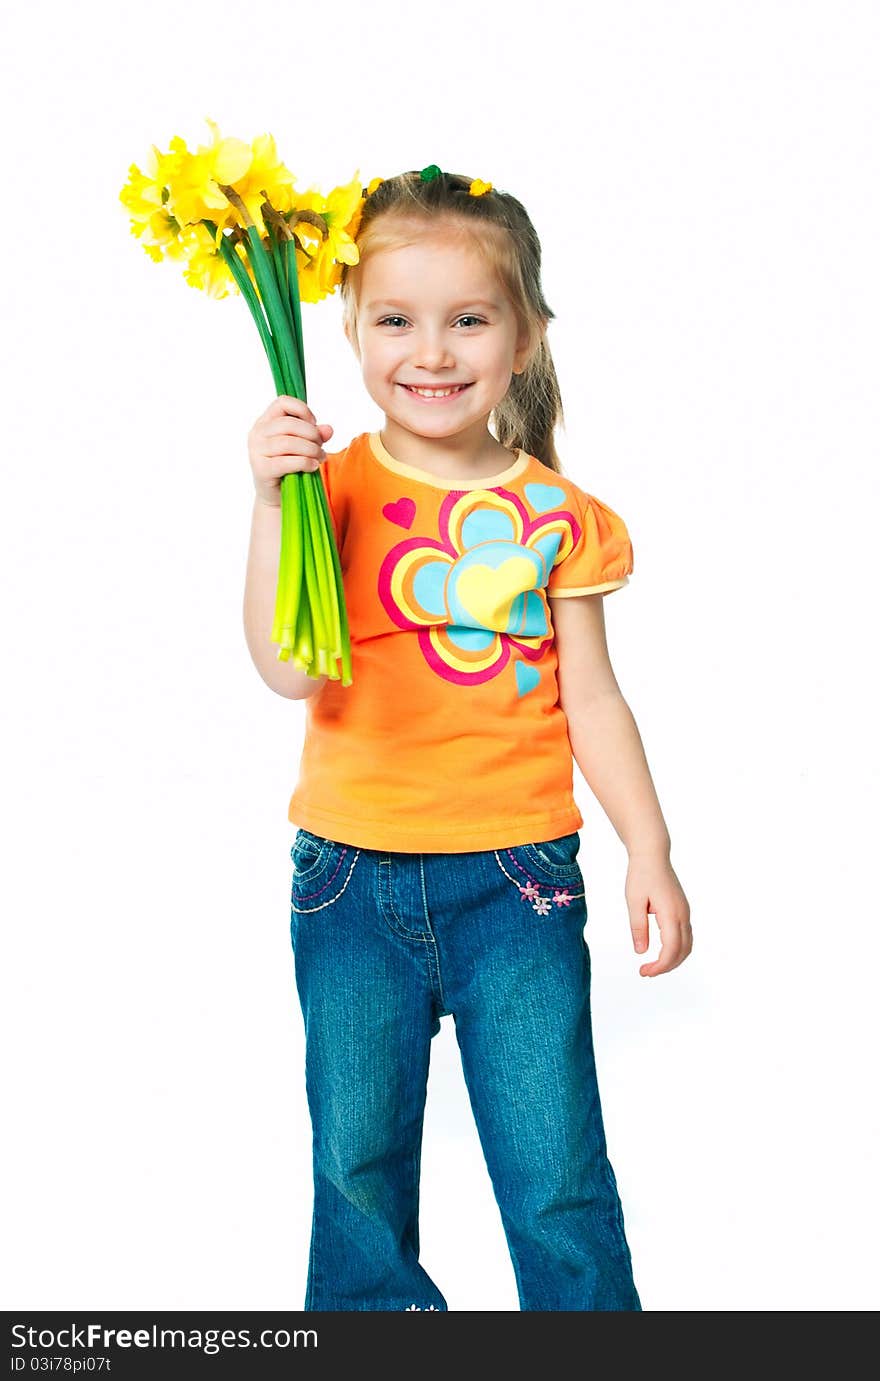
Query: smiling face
[[433, 313]]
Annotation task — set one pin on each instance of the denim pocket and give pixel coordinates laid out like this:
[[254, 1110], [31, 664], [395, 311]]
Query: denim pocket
[[321, 871], [307, 855], [548, 869], [556, 858]]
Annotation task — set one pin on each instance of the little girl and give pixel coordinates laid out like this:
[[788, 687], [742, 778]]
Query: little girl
[[435, 868]]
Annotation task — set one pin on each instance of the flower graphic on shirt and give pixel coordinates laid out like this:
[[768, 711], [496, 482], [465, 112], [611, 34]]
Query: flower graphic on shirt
[[475, 593]]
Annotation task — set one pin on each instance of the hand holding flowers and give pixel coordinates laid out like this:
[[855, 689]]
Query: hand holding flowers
[[284, 440]]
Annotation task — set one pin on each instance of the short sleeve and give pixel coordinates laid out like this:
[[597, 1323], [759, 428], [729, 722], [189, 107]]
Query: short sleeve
[[601, 558]]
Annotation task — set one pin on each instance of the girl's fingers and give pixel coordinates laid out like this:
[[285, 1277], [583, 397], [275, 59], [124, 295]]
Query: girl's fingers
[[288, 416], [294, 407], [285, 412], [291, 426], [662, 964], [639, 927], [287, 426], [280, 446], [674, 949]]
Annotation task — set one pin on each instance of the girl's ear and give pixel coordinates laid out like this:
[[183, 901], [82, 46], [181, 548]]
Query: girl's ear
[[526, 347], [351, 338]]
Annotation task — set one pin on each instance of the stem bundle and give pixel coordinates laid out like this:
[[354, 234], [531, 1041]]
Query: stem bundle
[[310, 624]]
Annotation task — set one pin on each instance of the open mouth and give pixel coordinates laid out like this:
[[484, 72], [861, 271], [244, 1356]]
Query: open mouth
[[435, 395]]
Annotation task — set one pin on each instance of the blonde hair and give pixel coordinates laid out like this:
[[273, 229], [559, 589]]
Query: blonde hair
[[499, 227]]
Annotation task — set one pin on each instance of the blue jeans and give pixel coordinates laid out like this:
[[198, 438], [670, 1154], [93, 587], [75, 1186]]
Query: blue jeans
[[384, 945]]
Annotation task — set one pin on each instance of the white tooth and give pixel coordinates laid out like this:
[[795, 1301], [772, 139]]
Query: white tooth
[[436, 392]]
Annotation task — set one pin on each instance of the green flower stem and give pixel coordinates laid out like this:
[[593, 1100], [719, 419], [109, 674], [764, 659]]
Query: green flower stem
[[246, 288], [311, 549], [289, 566], [289, 590], [335, 595], [286, 576], [273, 256], [339, 591], [265, 276], [330, 586], [293, 294], [327, 572], [280, 257], [343, 617], [277, 260], [287, 273], [303, 643]]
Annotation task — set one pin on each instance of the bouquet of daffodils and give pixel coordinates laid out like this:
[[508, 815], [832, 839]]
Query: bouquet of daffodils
[[229, 213]]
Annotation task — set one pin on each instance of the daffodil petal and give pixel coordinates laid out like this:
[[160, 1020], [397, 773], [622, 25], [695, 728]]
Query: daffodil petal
[[232, 158]]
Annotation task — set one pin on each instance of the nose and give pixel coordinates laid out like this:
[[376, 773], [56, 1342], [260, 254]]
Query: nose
[[431, 351]]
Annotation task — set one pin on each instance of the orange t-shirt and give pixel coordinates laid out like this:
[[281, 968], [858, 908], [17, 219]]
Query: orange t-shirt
[[451, 737]]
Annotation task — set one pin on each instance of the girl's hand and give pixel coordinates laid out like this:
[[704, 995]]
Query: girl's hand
[[284, 439], [651, 886]]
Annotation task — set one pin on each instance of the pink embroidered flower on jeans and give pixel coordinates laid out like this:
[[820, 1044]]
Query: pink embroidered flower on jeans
[[562, 896], [528, 891]]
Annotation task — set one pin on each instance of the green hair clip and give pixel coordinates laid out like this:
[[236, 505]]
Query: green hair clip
[[429, 173]]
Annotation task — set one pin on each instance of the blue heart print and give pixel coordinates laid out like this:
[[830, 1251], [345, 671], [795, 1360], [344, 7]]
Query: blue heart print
[[526, 678], [543, 497]]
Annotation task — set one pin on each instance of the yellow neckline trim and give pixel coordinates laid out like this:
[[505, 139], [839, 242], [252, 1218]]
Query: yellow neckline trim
[[413, 472]]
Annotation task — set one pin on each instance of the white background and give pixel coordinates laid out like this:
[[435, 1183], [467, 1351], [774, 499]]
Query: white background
[[704, 180]]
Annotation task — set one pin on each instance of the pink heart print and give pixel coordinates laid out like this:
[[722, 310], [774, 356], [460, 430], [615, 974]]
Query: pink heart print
[[401, 512]]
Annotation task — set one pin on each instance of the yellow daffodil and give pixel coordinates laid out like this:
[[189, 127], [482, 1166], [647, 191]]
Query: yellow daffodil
[[145, 196], [343, 213], [326, 249], [206, 270], [254, 171], [266, 179], [195, 186]]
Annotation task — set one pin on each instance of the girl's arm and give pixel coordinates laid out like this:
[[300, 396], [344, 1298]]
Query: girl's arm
[[608, 749]]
